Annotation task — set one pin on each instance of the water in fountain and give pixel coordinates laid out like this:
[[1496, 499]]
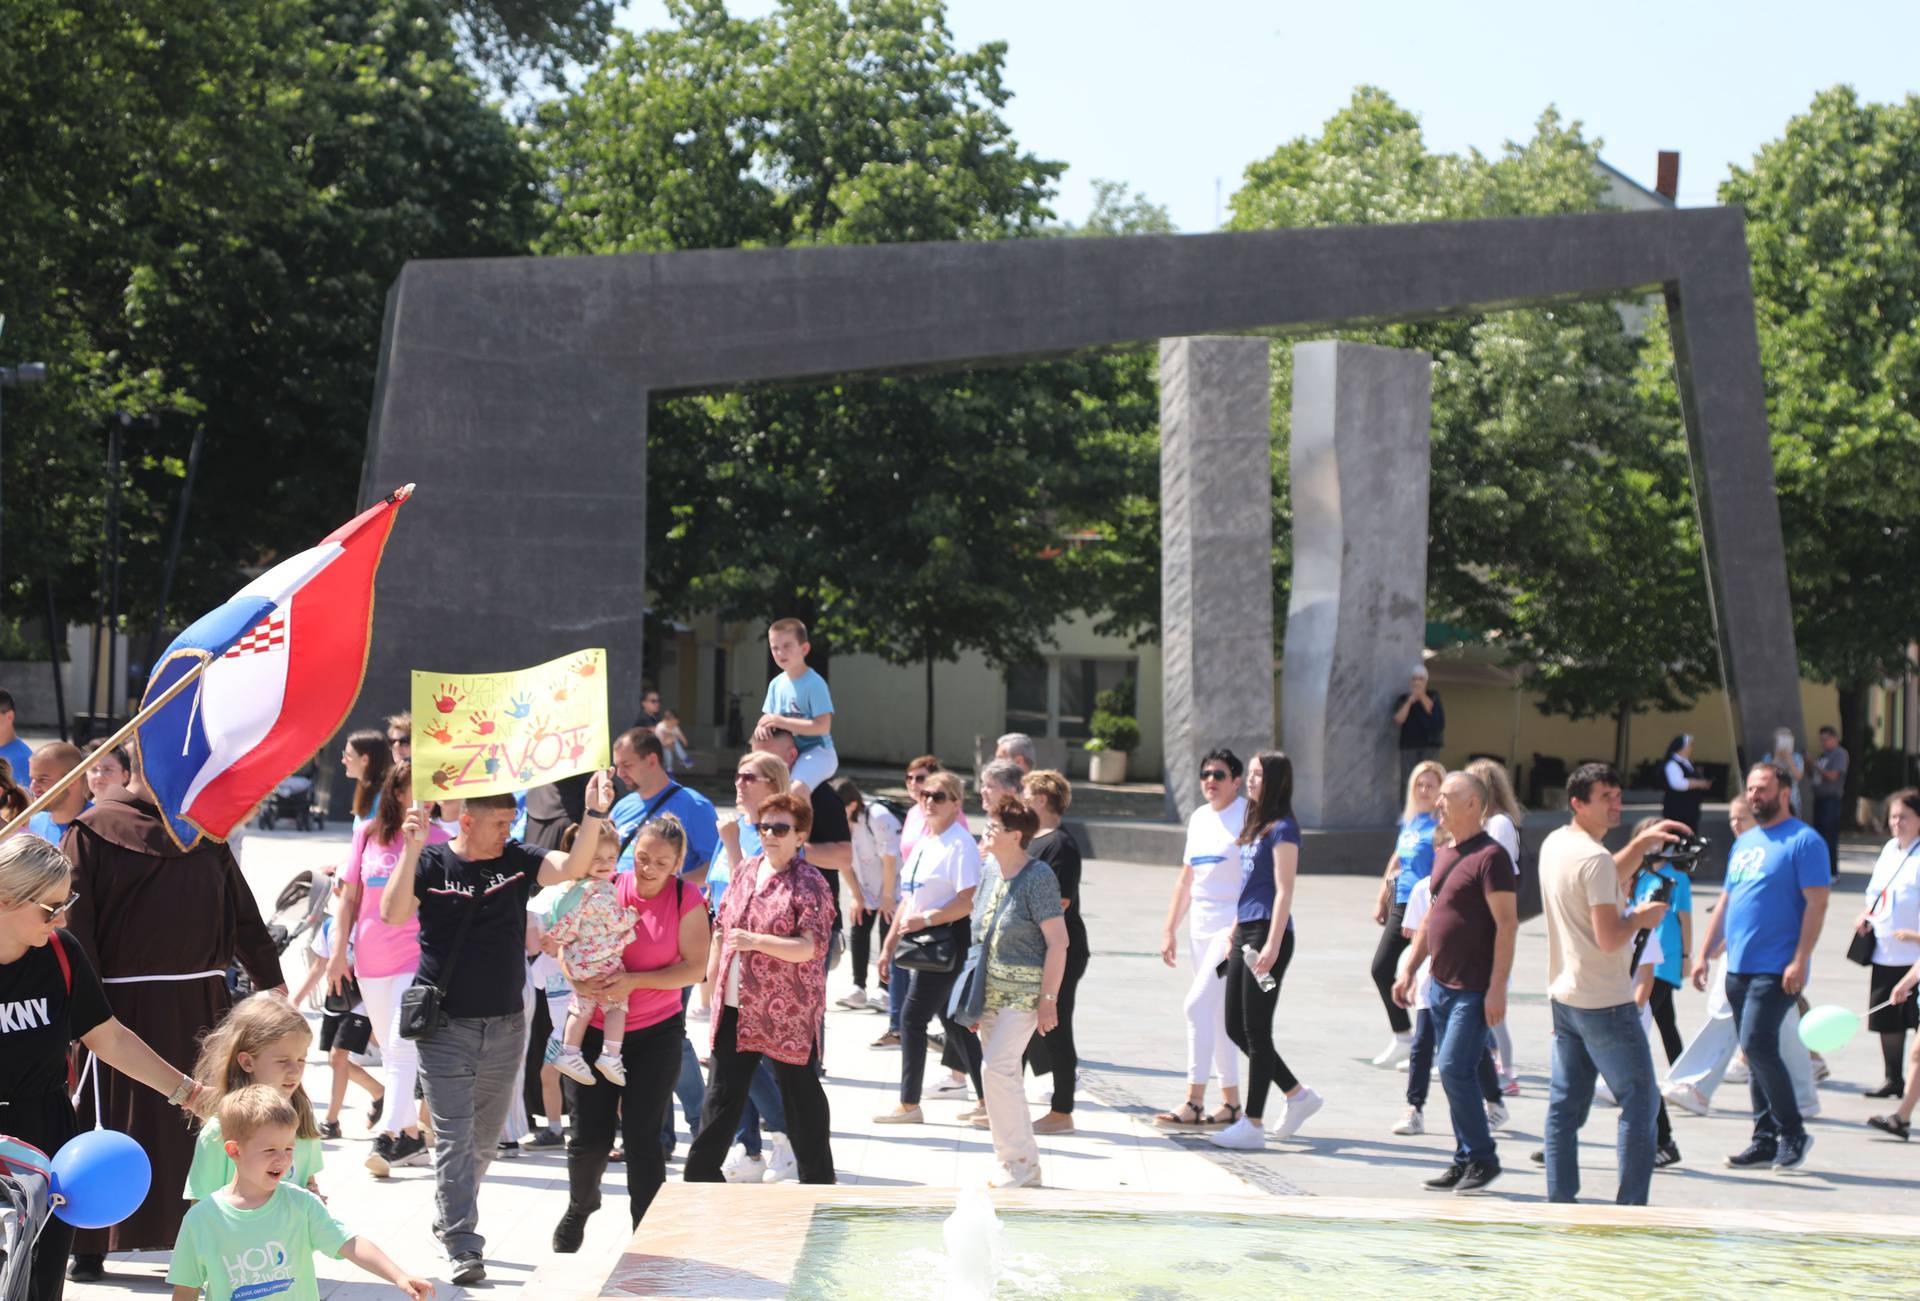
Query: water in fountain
[[976, 1242]]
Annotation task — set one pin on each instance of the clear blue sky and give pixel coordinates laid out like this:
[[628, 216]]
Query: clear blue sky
[[1172, 97]]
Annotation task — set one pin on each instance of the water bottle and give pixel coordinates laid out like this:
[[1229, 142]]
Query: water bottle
[[1267, 983]]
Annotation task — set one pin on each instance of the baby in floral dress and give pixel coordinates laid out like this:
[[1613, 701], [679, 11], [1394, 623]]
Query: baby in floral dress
[[593, 932]]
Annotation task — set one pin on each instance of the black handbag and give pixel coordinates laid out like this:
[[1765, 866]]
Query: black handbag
[[932, 950], [345, 1001], [1861, 949], [420, 1013]]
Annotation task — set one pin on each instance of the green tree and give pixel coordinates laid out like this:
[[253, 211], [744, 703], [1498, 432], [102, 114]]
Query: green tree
[[1833, 222], [1560, 508], [206, 207], [911, 518]]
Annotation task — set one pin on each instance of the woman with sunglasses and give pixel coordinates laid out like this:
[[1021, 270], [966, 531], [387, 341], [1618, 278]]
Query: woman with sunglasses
[[767, 967], [1208, 894], [937, 886], [49, 977]]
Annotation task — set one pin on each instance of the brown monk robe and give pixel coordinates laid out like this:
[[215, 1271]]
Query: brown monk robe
[[148, 910]]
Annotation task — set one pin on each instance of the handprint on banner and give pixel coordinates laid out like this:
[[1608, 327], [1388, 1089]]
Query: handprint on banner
[[582, 667], [558, 689], [519, 706], [492, 765], [526, 773], [482, 722], [449, 698], [444, 774], [539, 727], [577, 753], [439, 733]]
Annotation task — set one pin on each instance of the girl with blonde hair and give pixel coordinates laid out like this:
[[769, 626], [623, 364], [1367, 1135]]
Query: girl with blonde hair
[[263, 1040], [1410, 862]]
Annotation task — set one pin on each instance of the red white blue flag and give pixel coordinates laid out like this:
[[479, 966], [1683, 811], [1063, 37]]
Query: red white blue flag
[[285, 657]]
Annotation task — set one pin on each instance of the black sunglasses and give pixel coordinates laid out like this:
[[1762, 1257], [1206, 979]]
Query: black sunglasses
[[55, 912], [935, 797], [1215, 775], [773, 830]]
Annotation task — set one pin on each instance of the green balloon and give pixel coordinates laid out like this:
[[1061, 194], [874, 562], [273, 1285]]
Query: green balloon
[[1825, 1029]]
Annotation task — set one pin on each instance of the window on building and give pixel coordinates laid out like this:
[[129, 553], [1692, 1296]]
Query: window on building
[[1055, 697]]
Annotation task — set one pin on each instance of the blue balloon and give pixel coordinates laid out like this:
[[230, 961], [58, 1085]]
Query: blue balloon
[[103, 1176]]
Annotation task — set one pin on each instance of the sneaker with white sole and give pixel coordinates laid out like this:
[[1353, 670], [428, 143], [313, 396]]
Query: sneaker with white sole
[[1737, 1070], [949, 1087], [1021, 1176], [877, 1001], [1497, 1115], [610, 1065], [1411, 1123], [1601, 1093], [781, 1166], [853, 1002], [1398, 1049], [1687, 1098], [1243, 1135], [743, 1169], [569, 1062], [1300, 1109]]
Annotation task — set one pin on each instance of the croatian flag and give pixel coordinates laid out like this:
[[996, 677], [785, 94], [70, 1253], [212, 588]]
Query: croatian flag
[[284, 659]]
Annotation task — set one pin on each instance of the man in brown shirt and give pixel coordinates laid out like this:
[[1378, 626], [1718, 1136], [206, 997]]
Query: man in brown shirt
[[1469, 932]]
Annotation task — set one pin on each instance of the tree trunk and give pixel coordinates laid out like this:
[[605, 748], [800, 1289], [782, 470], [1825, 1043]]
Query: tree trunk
[[930, 749], [1853, 735], [1623, 743]]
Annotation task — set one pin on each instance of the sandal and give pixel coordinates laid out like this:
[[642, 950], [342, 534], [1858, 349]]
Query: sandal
[[1893, 1125], [1186, 1116], [1233, 1113]]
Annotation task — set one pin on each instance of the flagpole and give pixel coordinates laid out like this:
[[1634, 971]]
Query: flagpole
[[120, 737]]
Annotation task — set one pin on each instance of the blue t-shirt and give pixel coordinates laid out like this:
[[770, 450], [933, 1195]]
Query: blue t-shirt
[[806, 697], [1415, 849], [42, 825], [1669, 937], [17, 752], [1256, 872], [1767, 869], [694, 810]]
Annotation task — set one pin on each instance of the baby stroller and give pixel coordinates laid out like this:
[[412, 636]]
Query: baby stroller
[[25, 1204], [292, 800], [297, 909]]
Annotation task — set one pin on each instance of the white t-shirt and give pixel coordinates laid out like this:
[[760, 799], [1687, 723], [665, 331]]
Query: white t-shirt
[[1213, 852], [866, 863], [1507, 836], [886, 829], [1650, 957], [940, 867], [1419, 903], [323, 950], [1898, 874], [548, 976]]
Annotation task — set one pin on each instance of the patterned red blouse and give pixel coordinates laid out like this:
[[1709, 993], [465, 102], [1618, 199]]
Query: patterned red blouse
[[781, 1003]]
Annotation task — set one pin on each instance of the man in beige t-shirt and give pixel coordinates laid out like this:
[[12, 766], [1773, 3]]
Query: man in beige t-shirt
[[1596, 1025]]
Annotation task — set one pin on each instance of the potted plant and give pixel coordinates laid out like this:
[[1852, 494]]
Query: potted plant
[[1115, 734]]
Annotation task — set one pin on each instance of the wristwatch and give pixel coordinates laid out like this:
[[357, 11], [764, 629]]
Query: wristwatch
[[1050, 998], [181, 1091]]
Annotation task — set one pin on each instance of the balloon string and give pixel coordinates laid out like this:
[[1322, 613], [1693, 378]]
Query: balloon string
[[1879, 1006]]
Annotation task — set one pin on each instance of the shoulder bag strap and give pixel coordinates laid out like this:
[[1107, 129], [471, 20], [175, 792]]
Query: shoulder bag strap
[[652, 806], [60, 955]]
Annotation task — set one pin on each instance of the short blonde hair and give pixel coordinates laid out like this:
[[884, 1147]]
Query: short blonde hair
[[770, 768], [945, 781], [1050, 787], [245, 1112], [29, 867]]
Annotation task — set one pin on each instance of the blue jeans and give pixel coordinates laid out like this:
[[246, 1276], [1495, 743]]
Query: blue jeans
[[1609, 1042], [896, 995], [690, 1088], [1460, 1021], [1760, 1005]]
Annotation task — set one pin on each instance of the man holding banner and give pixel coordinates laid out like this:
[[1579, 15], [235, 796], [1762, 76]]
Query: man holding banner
[[471, 897]]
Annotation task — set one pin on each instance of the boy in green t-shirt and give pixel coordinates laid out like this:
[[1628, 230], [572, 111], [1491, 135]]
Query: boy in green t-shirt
[[255, 1238]]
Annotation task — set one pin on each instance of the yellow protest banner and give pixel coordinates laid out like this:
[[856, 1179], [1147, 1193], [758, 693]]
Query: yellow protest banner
[[493, 733]]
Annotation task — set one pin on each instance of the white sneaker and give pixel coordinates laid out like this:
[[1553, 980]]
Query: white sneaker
[[854, 1001], [1497, 1115], [743, 1169], [1737, 1070], [1022, 1176], [781, 1167], [1687, 1098], [698, 1013], [877, 1001], [1411, 1123], [571, 1064], [1300, 1109], [1243, 1135], [1601, 1093], [950, 1087], [1398, 1049], [610, 1065]]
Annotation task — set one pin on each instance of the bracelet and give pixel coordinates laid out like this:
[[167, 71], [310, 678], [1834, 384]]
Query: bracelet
[[181, 1091], [1050, 998]]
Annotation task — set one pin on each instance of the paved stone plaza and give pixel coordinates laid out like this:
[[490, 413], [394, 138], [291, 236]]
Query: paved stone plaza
[[1132, 1038]]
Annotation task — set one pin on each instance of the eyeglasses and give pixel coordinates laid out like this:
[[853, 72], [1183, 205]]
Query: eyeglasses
[[399, 740], [773, 830], [1215, 775], [992, 829], [55, 912], [935, 797], [748, 777], [915, 778]]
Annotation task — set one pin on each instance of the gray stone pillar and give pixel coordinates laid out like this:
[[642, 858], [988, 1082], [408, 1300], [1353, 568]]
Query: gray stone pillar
[[1360, 455], [1216, 572]]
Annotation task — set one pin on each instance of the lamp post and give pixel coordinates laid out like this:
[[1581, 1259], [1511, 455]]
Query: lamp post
[[27, 372]]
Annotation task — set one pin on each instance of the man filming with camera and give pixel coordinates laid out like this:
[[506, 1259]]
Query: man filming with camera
[[1769, 915], [1596, 1023]]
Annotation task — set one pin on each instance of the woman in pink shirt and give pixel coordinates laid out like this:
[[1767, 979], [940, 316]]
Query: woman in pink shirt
[[770, 995], [668, 953], [384, 960]]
